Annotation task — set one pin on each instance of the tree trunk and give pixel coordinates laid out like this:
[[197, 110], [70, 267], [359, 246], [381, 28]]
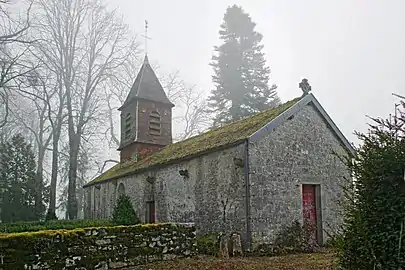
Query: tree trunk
[[74, 142], [54, 174], [39, 183]]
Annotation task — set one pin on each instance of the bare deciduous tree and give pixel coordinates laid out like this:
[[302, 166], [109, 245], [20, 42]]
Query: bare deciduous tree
[[190, 106], [116, 90], [44, 88], [84, 44], [56, 119], [190, 114], [38, 90], [13, 30], [13, 46]]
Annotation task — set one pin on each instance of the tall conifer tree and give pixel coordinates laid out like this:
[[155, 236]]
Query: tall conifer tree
[[18, 181], [241, 76]]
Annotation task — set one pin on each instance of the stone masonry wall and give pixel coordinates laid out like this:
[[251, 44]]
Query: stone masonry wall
[[295, 153], [97, 248], [212, 196]]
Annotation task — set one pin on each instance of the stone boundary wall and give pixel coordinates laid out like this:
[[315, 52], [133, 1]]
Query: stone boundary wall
[[97, 248]]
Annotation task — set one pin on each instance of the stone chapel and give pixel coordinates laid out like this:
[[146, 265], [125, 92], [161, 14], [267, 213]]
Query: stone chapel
[[254, 176]]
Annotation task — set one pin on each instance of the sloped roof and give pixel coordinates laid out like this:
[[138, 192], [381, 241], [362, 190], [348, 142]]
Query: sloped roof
[[231, 134], [304, 101], [147, 86]]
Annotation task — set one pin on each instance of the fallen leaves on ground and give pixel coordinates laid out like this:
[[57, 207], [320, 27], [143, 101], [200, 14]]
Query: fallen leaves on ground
[[321, 261]]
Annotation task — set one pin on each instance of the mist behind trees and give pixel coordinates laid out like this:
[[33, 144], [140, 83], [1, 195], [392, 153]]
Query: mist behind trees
[[67, 65]]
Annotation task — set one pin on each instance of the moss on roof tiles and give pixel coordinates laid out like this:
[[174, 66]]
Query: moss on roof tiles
[[226, 135]]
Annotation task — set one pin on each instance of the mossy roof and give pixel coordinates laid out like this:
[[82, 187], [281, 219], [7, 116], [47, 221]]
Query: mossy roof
[[209, 141]]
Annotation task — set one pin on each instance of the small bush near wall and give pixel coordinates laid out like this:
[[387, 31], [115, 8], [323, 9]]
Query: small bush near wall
[[208, 244], [93, 248], [51, 225], [124, 212]]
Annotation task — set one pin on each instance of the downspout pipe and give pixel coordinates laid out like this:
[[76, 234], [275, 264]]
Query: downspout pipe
[[247, 197]]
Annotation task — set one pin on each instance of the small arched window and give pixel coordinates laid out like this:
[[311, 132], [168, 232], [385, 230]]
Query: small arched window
[[128, 125], [121, 189], [154, 123]]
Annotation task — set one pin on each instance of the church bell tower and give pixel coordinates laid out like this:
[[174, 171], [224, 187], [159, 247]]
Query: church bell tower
[[146, 117]]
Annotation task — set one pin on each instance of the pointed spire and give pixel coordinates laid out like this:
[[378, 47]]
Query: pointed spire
[[146, 60], [147, 86]]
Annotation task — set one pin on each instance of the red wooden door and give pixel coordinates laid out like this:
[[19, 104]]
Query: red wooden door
[[151, 212], [309, 208]]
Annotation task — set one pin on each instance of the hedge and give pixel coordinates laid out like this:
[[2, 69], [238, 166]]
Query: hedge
[[90, 248], [51, 225]]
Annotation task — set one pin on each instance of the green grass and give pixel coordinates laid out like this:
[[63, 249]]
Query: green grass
[[321, 260], [227, 135]]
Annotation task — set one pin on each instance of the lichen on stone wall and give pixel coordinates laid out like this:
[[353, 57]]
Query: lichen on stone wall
[[228, 135], [92, 248], [297, 152]]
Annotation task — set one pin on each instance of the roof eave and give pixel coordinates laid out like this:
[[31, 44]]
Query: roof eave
[[168, 103], [157, 101], [334, 127], [171, 162]]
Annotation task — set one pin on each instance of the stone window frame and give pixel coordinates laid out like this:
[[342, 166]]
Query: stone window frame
[[127, 125], [155, 126], [120, 190]]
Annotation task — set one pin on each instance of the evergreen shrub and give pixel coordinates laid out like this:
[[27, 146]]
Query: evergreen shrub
[[124, 212], [374, 218]]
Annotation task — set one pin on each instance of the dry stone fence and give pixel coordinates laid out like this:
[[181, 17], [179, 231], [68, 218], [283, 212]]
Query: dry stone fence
[[97, 248]]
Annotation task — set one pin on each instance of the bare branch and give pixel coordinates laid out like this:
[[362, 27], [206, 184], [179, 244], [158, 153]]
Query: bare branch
[[15, 35], [85, 45], [190, 107], [101, 170]]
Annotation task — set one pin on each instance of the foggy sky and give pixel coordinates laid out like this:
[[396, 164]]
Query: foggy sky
[[352, 51]]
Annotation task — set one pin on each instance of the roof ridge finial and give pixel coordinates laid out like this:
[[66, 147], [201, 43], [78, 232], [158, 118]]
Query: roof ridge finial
[[305, 87]]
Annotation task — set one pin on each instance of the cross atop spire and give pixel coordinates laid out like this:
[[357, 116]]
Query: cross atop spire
[[146, 37]]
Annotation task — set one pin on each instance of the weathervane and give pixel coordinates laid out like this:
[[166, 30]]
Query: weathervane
[[146, 37], [305, 87]]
